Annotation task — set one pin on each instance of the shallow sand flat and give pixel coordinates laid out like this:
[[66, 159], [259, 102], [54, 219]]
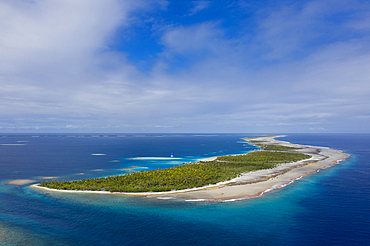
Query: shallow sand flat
[[154, 158], [252, 184], [132, 168], [20, 181]]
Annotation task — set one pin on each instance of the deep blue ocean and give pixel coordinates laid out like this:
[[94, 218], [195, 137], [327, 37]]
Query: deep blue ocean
[[331, 207]]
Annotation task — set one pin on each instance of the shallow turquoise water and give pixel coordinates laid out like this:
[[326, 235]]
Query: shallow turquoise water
[[330, 207]]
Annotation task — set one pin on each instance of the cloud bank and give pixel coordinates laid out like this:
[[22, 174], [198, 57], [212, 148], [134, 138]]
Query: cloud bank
[[288, 68]]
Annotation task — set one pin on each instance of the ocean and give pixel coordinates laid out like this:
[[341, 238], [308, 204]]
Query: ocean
[[331, 207]]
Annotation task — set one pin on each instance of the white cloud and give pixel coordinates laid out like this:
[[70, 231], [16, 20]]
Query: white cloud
[[232, 88], [199, 6], [46, 33], [54, 64], [192, 38], [57, 72]]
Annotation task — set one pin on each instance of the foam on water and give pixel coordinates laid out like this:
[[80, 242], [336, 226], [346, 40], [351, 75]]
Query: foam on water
[[166, 198]]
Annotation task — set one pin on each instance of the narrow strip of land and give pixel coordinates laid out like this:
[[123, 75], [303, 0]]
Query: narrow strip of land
[[253, 183]]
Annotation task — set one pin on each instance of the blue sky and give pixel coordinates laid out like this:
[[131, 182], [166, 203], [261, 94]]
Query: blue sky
[[184, 66]]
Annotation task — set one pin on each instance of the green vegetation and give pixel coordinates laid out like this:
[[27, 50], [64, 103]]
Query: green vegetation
[[256, 142], [182, 177], [276, 147]]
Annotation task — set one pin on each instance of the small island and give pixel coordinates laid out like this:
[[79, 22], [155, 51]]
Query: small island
[[220, 178]]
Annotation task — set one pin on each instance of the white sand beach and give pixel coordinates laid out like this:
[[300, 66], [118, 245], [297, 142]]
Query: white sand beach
[[251, 184]]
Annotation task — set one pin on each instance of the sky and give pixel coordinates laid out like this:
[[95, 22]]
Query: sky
[[177, 66]]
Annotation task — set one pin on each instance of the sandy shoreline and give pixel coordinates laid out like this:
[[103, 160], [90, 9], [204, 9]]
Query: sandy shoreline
[[252, 184]]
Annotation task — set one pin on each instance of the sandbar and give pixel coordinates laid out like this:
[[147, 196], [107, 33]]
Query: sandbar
[[154, 158], [132, 167], [251, 184], [21, 181]]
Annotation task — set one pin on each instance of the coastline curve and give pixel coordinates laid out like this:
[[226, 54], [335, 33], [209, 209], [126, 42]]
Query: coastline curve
[[248, 185]]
